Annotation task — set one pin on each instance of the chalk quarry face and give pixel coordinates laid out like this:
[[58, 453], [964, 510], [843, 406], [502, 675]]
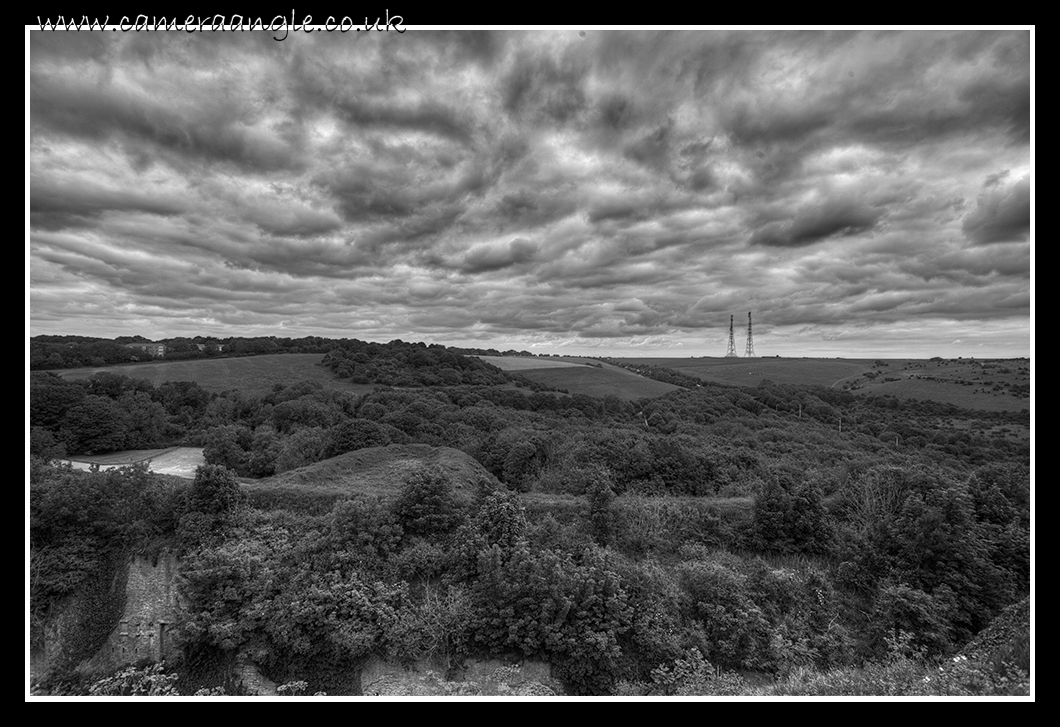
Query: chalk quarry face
[[148, 591]]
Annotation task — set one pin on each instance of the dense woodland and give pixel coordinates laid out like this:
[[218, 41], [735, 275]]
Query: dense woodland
[[699, 542]]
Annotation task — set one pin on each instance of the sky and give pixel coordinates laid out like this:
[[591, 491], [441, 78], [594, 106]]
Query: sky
[[865, 193]]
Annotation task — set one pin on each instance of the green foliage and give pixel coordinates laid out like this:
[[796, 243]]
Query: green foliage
[[361, 433], [601, 516], [79, 520], [286, 594], [925, 618], [95, 424], [427, 506], [215, 491], [548, 604], [931, 541], [497, 522], [520, 466], [907, 676], [790, 517], [365, 529], [151, 680], [695, 676], [43, 446], [227, 446], [659, 527], [736, 630]]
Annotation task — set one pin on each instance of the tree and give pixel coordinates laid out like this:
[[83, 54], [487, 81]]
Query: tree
[[216, 492], [790, 517], [96, 424], [44, 446], [426, 506]]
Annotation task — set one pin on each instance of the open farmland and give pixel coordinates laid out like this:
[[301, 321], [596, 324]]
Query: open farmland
[[750, 371], [254, 374], [988, 384], [579, 377], [522, 363]]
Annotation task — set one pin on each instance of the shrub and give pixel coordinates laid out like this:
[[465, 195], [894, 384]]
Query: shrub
[[427, 506]]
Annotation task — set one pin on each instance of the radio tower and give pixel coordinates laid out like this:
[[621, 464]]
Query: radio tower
[[732, 342], [750, 352]]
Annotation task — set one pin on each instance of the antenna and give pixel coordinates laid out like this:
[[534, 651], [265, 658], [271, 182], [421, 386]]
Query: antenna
[[750, 352], [731, 353]]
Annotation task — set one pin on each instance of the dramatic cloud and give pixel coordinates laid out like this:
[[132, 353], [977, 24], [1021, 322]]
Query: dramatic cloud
[[863, 192], [1003, 213]]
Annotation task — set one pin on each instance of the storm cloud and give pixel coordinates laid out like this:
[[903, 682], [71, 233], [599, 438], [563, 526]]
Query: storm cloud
[[863, 192]]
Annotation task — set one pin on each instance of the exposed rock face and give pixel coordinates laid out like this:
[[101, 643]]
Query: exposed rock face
[[122, 616], [253, 682], [144, 631]]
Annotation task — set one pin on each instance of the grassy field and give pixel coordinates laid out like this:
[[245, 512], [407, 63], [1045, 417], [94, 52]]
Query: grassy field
[[582, 376], [600, 382], [750, 371], [522, 363], [255, 374], [987, 384], [991, 385]]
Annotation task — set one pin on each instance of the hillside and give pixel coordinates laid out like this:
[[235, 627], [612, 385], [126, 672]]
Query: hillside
[[375, 471], [583, 376], [749, 372], [988, 384]]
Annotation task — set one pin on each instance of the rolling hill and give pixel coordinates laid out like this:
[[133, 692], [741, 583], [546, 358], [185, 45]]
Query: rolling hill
[[987, 384], [374, 471], [583, 376]]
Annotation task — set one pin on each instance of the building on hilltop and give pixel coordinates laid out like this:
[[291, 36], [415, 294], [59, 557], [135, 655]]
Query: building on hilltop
[[157, 350]]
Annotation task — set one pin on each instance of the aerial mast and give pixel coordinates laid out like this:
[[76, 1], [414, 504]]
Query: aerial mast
[[732, 342], [750, 352]]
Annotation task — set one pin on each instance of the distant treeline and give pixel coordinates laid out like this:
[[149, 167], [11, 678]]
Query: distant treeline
[[409, 364], [67, 352]]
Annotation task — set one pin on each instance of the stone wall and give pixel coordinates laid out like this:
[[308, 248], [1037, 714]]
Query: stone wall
[[144, 631], [98, 637]]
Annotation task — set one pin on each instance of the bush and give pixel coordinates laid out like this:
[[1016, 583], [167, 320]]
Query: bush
[[544, 603], [427, 506]]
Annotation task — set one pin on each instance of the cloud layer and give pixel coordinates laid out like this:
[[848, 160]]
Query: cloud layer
[[862, 192]]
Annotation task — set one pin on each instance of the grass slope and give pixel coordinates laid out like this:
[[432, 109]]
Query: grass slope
[[254, 374], [751, 371], [374, 471], [599, 382], [522, 363], [988, 384]]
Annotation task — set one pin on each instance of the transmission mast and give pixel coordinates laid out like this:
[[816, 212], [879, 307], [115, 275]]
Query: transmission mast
[[732, 342], [750, 352]]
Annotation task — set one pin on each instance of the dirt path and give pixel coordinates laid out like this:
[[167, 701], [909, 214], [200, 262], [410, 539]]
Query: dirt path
[[177, 461]]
